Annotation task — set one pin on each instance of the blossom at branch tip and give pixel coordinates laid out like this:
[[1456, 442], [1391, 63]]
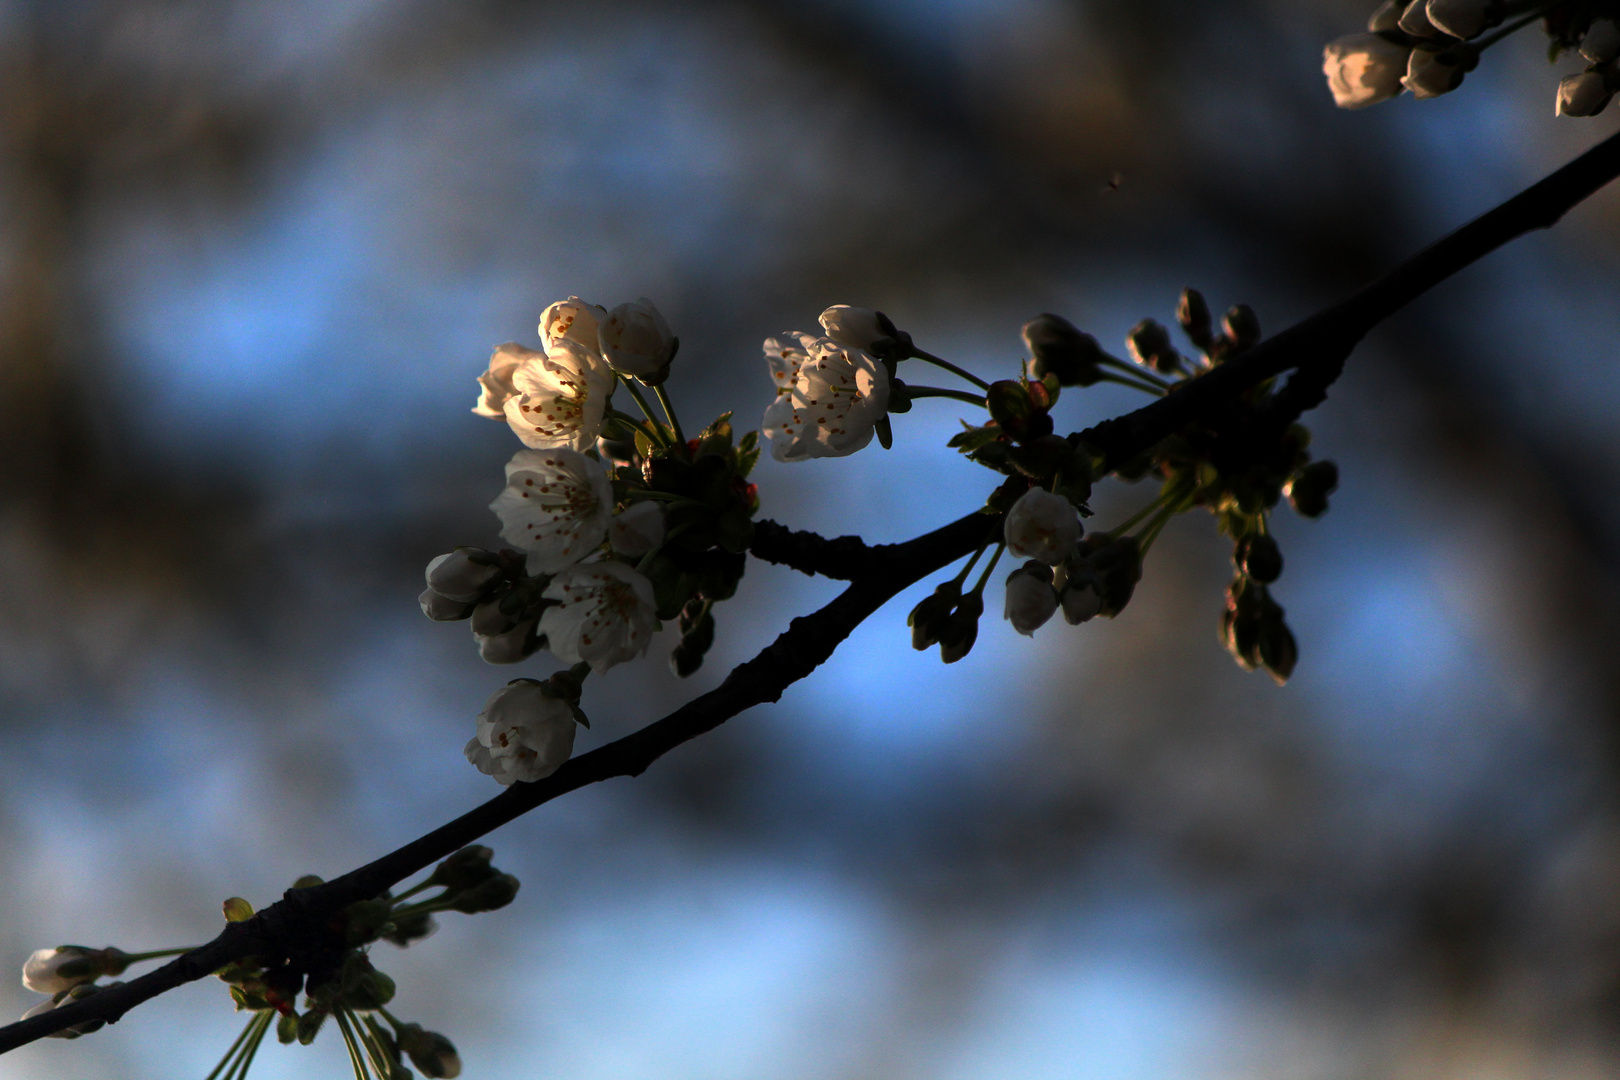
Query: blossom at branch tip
[[524, 733], [572, 320], [43, 971], [636, 340], [637, 529], [556, 505], [1363, 69], [560, 397], [828, 397], [1041, 525], [605, 614], [1030, 598]]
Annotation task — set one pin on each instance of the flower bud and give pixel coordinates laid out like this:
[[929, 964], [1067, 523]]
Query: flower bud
[[1460, 18], [1259, 557], [1042, 526], [1193, 315], [1150, 346], [1430, 74], [1364, 69], [403, 931], [1030, 598], [1117, 566], [1415, 20], [927, 619], [465, 868], [1386, 18], [441, 608], [84, 1027], [572, 320], [463, 574], [853, 326], [1277, 648], [508, 648], [1080, 599], [637, 529], [1242, 328], [961, 629], [490, 619], [636, 341], [1309, 491], [1602, 41], [430, 1052], [1585, 94], [1059, 348], [53, 971], [488, 895]]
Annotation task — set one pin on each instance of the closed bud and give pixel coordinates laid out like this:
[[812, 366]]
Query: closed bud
[[496, 892], [1117, 566], [1058, 347], [927, 619], [1308, 492], [1430, 74], [1460, 18], [1259, 557], [490, 619], [1415, 20], [287, 1028], [372, 990], [430, 1052], [237, 909], [1585, 94], [463, 574], [441, 608], [1364, 69], [77, 993], [636, 341], [961, 629], [1242, 328], [465, 868], [363, 921], [1030, 598], [309, 1025], [1150, 346], [54, 971], [1602, 41], [1080, 599], [1193, 315], [510, 647], [1277, 648], [402, 932], [1386, 18]]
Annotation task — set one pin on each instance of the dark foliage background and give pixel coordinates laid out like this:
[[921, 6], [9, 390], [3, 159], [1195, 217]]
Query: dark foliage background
[[253, 255]]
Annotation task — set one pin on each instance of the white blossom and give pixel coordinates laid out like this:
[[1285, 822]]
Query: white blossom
[[1081, 599], [1585, 94], [636, 339], [606, 615], [1363, 69], [1428, 76], [462, 575], [828, 397], [856, 327], [572, 320], [508, 647], [1602, 41], [496, 383], [524, 733], [1386, 17], [556, 506], [561, 397], [1415, 20], [441, 608], [42, 972], [1031, 601], [1459, 18], [1042, 526], [637, 529]]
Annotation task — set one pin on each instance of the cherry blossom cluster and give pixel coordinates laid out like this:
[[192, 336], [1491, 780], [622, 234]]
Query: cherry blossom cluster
[[618, 522], [1428, 46], [335, 974]]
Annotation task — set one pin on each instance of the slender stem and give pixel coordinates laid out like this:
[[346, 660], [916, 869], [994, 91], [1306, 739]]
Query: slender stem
[[648, 427], [390, 1017], [936, 391], [1146, 388], [991, 565], [374, 1050], [231, 1053], [251, 1051], [950, 367], [135, 958], [1170, 510], [1140, 514], [413, 890], [1136, 370], [646, 410], [360, 1072], [968, 567], [669, 411]]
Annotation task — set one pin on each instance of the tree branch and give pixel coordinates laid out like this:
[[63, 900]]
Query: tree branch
[[1318, 347]]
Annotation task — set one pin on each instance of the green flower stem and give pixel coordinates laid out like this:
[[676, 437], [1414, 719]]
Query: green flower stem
[[1136, 370], [256, 1029], [1156, 526], [936, 391], [984, 577], [412, 891], [1145, 387], [646, 410], [374, 1050], [648, 427], [135, 958], [391, 1018], [426, 907], [950, 367], [669, 411], [235, 1046], [1140, 514], [360, 1072]]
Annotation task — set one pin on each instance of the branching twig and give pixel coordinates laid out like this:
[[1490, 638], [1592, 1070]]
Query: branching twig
[[1316, 347]]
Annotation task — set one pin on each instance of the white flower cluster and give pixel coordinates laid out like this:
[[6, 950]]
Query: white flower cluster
[[1427, 46], [830, 391]]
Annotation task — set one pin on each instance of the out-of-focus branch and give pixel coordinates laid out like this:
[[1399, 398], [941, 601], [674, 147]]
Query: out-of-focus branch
[[1316, 348]]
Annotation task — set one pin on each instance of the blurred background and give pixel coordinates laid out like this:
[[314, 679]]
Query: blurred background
[[254, 254]]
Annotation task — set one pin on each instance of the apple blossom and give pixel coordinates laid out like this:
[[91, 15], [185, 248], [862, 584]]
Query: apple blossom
[[855, 327], [572, 320], [636, 339], [524, 733], [605, 615], [556, 506], [1363, 69], [496, 382], [637, 529], [462, 575], [1042, 526], [828, 397], [561, 397]]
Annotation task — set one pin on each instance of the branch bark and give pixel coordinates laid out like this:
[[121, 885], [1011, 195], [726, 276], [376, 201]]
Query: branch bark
[[1314, 349]]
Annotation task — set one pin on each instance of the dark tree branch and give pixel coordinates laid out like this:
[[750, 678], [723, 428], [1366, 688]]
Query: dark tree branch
[[1317, 347]]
